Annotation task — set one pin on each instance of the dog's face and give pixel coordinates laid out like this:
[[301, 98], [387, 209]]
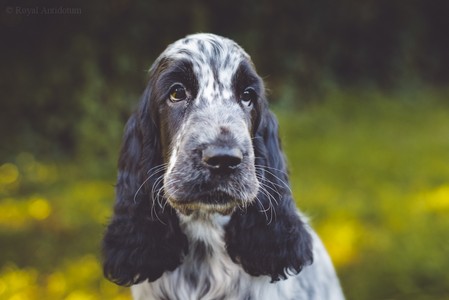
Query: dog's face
[[208, 96]]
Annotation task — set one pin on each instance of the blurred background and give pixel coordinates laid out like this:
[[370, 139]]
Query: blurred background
[[360, 89]]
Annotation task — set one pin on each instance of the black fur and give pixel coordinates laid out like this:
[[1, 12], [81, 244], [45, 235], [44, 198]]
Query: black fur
[[275, 243], [142, 241]]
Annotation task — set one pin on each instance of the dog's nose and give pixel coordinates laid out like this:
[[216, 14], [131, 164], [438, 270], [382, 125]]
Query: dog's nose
[[222, 158]]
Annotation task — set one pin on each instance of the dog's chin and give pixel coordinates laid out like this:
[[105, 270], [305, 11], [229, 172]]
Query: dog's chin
[[208, 203], [190, 208]]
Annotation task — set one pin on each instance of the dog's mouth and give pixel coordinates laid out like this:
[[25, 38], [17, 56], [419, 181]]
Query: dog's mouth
[[218, 186], [209, 202]]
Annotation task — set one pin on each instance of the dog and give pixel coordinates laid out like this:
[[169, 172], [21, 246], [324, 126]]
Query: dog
[[203, 205]]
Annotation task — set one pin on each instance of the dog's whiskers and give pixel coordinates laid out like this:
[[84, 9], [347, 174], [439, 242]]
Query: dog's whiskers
[[266, 169], [270, 208]]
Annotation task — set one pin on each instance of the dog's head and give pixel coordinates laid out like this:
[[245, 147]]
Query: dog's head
[[203, 140], [207, 97]]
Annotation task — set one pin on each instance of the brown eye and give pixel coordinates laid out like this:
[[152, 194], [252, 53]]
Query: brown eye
[[248, 96], [177, 93]]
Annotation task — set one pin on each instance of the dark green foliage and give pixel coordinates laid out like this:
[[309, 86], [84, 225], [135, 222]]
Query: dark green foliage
[[61, 71]]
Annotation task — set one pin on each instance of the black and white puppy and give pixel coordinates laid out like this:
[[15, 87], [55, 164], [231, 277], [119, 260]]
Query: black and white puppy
[[203, 208]]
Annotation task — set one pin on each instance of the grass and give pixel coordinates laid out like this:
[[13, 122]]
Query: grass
[[371, 170]]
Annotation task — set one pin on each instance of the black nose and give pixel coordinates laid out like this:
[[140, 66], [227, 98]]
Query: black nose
[[222, 158]]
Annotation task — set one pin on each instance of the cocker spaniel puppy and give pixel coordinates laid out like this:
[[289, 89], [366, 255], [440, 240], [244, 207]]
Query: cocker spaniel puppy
[[203, 208]]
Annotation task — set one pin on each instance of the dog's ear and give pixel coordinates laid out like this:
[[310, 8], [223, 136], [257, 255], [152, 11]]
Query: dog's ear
[[270, 238], [143, 240]]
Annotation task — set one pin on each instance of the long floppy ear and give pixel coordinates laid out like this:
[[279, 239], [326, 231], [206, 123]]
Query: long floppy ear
[[275, 241], [143, 240]]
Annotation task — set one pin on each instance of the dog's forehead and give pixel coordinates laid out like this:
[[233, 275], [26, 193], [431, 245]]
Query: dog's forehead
[[215, 61], [207, 49]]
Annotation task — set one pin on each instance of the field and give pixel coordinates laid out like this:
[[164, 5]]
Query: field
[[370, 169]]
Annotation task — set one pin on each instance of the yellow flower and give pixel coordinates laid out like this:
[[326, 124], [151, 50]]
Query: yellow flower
[[340, 238], [39, 208]]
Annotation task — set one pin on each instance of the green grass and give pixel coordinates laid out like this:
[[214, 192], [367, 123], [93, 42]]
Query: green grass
[[371, 170]]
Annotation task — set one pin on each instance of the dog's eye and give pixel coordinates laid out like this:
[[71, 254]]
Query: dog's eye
[[177, 93], [248, 96]]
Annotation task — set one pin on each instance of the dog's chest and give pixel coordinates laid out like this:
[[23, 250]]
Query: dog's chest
[[207, 272]]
